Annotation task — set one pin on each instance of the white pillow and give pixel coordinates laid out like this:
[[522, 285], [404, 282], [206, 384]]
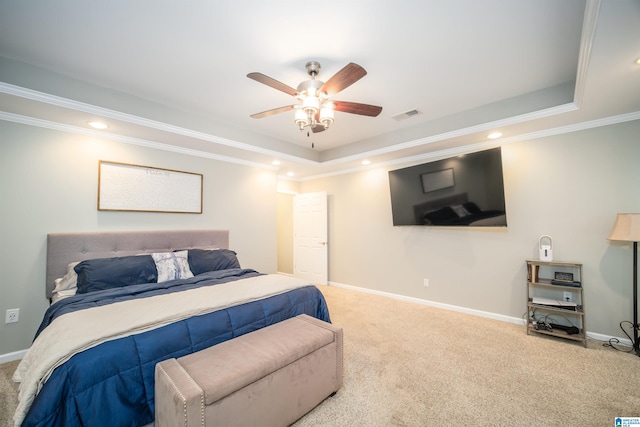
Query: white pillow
[[65, 293], [460, 210], [172, 265], [65, 286]]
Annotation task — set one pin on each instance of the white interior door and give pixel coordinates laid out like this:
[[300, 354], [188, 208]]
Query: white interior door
[[310, 246]]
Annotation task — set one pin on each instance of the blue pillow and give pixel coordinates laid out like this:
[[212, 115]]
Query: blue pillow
[[106, 273], [203, 260]]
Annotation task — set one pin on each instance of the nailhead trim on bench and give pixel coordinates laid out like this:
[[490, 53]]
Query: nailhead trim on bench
[[184, 400]]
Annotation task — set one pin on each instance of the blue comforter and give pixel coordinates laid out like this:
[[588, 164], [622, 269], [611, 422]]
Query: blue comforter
[[113, 384], [109, 296]]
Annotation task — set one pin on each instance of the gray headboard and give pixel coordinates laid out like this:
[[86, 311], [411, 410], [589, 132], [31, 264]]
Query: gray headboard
[[65, 248]]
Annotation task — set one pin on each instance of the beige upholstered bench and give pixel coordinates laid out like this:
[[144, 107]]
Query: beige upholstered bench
[[269, 377]]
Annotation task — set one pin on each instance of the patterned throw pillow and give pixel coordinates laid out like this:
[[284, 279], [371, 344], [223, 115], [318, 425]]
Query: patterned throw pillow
[[172, 265]]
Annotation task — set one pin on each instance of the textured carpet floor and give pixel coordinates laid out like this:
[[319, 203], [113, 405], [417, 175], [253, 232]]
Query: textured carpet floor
[[411, 365], [8, 393]]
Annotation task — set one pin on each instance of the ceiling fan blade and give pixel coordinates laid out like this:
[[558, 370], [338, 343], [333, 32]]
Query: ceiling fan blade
[[344, 78], [272, 112], [356, 108], [261, 78]]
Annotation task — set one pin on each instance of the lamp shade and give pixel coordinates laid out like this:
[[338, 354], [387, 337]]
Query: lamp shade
[[301, 118], [626, 228]]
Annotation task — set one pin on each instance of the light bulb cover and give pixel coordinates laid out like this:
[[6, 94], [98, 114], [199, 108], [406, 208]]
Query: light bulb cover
[[326, 115], [311, 104], [301, 118]]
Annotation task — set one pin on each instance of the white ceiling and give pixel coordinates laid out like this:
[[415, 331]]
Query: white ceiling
[[172, 74]]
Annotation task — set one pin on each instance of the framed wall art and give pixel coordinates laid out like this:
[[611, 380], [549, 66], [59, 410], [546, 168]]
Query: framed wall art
[[136, 188]]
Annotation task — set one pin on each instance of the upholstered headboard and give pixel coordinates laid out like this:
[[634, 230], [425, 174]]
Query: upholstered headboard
[[65, 248]]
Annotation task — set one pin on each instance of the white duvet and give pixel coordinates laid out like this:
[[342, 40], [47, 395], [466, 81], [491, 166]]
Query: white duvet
[[75, 332]]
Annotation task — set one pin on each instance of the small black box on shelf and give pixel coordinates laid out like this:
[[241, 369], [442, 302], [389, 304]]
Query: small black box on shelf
[[562, 276]]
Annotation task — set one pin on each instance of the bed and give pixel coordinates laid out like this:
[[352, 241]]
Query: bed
[[139, 298]]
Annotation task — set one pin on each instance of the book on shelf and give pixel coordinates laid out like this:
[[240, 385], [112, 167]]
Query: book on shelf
[[565, 283], [566, 305], [532, 272]]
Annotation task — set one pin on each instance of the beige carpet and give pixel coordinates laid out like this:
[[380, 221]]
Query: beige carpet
[[412, 365], [8, 393]]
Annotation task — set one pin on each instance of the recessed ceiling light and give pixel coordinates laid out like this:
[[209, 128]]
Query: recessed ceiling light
[[289, 173], [366, 162], [494, 135], [98, 125], [276, 163]]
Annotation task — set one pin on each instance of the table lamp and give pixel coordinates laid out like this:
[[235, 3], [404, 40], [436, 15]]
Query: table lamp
[[627, 229]]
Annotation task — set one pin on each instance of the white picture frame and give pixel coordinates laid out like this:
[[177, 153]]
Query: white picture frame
[[136, 188]]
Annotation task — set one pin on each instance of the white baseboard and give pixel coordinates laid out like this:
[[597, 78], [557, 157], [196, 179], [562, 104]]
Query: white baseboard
[[10, 357], [489, 315], [606, 338]]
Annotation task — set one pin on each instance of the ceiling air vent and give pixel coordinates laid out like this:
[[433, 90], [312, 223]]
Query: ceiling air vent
[[405, 115]]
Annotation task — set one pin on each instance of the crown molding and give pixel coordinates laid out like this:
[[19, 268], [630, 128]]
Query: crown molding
[[589, 25], [565, 108], [153, 124], [436, 155], [103, 112], [59, 101], [31, 121]]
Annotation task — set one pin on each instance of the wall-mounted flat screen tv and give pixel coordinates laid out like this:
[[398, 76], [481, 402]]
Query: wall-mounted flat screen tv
[[463, 191]]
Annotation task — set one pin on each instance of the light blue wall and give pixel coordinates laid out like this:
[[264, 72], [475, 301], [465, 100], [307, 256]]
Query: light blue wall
[[48, 183], [569, 186]]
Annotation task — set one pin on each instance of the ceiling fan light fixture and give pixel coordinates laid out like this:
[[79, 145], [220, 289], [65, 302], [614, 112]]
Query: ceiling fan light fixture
[[326, 114], [314, 109], [301, 118], [311, 104]]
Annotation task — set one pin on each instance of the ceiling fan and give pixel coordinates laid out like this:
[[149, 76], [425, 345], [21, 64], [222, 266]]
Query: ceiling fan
[[315, 107]]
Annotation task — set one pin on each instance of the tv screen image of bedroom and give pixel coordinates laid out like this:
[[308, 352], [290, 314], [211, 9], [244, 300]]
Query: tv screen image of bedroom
[[466, 190]]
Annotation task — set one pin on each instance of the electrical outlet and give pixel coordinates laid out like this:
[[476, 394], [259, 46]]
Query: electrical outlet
[[567, 296], [426, 283], [13, 315]]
